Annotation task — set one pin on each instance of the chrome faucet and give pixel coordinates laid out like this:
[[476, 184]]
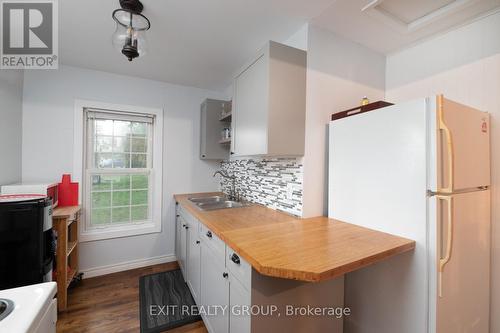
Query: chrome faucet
[[232, 193]]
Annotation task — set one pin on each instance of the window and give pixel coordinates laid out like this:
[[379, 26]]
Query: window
[[120, 165]]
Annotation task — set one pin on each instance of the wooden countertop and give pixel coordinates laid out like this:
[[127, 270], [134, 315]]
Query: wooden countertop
[[279, 245], [223, 220]]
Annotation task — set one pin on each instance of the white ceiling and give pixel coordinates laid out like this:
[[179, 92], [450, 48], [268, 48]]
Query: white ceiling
[[202, 43], [198, 43], [390, 25]]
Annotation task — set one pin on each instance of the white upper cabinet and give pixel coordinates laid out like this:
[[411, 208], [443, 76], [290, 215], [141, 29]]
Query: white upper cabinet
[[270, 103]]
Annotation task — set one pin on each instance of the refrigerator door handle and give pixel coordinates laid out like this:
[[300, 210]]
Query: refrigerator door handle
[[449, 241], [449, 145]]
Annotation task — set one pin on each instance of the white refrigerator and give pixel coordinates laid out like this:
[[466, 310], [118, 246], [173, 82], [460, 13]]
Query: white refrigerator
[[420, 170]]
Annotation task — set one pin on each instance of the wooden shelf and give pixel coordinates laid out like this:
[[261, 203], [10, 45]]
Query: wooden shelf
[[71, 246], [65, 223], [66, 212], [225, 141], [227, 117], [71, 275]]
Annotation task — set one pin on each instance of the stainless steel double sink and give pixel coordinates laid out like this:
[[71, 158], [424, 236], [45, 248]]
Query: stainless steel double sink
[[217, 202]]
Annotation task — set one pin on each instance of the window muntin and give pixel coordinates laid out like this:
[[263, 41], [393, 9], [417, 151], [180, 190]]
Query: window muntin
[[119, 168]]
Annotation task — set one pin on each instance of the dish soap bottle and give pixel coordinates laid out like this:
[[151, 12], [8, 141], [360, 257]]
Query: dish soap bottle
[[365, 101]]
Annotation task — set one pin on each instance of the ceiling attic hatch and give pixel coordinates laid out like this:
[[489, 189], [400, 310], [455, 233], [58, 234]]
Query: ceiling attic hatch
[[407, 16]]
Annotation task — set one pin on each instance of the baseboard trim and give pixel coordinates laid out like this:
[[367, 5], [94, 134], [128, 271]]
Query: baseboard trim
[[125, 266]]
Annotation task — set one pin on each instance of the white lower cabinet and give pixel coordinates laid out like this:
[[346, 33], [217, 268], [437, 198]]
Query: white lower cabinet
[[239, 307], [218, 278], [214, 291], [225, 287], [181, 243], [193, 260], [225, 296], [178, 228]]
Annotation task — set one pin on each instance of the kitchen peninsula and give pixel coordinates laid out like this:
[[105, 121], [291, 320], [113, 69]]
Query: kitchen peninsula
[[260, 257]]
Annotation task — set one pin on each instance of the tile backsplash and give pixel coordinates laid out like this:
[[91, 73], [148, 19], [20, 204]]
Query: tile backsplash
[[275, 182]]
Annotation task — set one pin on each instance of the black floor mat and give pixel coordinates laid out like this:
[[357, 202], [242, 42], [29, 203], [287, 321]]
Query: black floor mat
[[162, 297]]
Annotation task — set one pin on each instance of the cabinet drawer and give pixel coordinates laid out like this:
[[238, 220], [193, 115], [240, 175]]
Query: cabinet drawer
[[239, 268], [213, 242]]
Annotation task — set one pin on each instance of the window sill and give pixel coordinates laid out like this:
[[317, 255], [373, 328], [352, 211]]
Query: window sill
[[119, 232]]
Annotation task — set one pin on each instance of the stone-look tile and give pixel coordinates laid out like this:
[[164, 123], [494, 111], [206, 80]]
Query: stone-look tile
[[265, 181]]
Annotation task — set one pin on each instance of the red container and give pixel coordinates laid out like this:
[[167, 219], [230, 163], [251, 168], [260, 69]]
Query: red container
[[68, 192]]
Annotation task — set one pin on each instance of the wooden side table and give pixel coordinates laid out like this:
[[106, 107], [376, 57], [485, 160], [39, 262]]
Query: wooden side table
[[65, 223]]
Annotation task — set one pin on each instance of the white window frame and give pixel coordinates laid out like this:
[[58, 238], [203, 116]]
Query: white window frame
[[156, 177]]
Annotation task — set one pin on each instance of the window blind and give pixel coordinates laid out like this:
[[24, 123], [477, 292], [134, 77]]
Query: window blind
[[124, 116]]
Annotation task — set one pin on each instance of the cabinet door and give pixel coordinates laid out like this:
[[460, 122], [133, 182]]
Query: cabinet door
[[203, 131], [250, 110], [193, 260], [239, 300], [178, 227], [183, 247], [214, 291]]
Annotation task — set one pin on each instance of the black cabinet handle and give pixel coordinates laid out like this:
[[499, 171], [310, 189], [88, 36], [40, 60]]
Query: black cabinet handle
[[197, 242], [177, 215], [225, 275], [232, 153], [235, 259], [209, 234], [183, 225]]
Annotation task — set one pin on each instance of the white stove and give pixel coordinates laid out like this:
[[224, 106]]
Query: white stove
[[29, 309]]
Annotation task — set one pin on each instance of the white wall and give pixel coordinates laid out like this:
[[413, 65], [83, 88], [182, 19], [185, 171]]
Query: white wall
[[465, 66], [48, 110], [11, 94], [339, 74], [451, 50]]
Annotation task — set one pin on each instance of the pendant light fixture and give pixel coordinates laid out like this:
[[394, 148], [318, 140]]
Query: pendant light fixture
[[131, 26]]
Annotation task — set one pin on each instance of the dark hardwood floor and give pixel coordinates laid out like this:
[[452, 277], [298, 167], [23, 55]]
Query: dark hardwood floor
[[110, 304]]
